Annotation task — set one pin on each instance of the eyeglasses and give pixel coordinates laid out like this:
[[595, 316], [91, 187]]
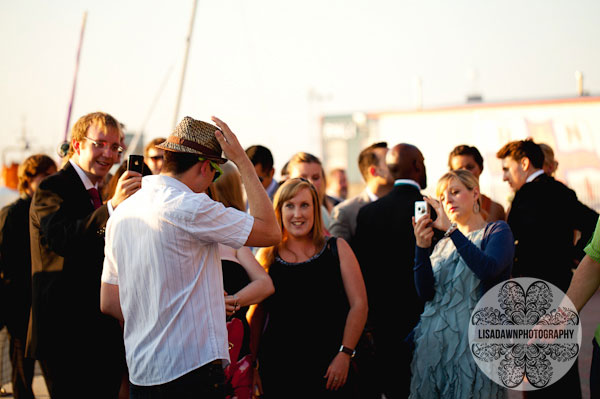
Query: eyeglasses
[[104, 144], [216, 168]]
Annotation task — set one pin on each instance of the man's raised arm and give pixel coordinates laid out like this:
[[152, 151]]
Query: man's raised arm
[[265, 230]]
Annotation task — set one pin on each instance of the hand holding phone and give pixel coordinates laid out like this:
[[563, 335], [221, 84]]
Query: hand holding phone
[[420, 210], [423, 231]]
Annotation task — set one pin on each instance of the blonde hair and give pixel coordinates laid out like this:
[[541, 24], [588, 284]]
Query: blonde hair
[[228, 188], [305, 157], [549, 159], [286, 192], [467, 178], [100, 119]]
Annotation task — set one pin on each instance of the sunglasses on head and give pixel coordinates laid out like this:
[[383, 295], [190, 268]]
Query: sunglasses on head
[[215, 166]]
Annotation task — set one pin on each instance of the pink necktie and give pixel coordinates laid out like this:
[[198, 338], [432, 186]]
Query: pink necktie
[[95, 197]]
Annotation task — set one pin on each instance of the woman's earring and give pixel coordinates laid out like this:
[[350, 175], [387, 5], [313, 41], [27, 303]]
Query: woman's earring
[[476, 207]]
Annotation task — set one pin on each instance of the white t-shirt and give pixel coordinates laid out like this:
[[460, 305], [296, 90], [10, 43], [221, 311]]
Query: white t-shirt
[[161, 249]]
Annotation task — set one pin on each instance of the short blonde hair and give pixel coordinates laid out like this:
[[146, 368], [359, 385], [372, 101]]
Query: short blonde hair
[[467, 178], [305, 157], [100, 119]]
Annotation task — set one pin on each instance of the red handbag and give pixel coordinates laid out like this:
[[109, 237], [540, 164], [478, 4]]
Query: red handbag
[[239, 373]]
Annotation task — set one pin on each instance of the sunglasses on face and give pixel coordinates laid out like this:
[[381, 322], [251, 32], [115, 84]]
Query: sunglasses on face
[[215, 166]]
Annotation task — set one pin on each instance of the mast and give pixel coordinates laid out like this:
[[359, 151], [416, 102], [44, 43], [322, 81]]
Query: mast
[[75, 78], [185, 60]]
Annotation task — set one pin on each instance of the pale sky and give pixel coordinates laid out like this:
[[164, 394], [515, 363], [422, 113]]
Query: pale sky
[[253, 63]]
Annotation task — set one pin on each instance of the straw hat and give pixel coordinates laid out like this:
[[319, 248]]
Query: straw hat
[[194, 137]]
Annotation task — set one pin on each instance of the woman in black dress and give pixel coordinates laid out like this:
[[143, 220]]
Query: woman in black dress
[[318, 311]]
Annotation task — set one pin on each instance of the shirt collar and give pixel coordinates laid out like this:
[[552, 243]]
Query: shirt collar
[[87, 183], [371, 196], [272, 187], [166, 181], [534, 175], [401, 182]]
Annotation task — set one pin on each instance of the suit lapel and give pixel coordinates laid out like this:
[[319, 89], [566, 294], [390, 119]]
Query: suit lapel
[[77, 188]]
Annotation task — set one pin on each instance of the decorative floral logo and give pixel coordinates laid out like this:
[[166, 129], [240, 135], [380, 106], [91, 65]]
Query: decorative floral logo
[[525, 334]]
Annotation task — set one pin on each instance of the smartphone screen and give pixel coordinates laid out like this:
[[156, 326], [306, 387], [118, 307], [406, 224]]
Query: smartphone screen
[[136, 163]]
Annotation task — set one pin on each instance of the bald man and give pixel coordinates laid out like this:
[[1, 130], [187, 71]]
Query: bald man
[[385, 247]]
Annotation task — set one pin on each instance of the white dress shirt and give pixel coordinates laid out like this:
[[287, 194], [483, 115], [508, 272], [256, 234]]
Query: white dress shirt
[[162, 251], [87, 183], [534, 175]]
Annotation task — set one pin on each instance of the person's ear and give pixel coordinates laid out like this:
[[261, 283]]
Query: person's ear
[[476, 193], [271, 173], [76, 145], [372, 170], [525, 163], [205, 168]]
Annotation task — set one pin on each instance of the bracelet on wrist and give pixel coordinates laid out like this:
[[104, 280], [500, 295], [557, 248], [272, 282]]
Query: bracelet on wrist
[[450, 230], [347, 351]]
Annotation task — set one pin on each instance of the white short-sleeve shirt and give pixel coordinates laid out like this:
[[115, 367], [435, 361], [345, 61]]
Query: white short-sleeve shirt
[[161, 249]]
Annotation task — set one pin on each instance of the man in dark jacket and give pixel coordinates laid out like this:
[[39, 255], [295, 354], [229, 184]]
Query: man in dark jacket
[[15, 269], [543, 217], [67, 220], [385, 248]]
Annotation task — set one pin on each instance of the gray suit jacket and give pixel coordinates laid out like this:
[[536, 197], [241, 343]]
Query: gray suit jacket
[[343, 216]]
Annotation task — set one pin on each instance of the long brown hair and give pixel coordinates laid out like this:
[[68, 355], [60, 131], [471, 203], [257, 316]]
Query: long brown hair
[[286, 192]]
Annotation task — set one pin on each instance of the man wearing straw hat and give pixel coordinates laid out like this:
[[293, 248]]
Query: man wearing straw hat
[[162, 273]]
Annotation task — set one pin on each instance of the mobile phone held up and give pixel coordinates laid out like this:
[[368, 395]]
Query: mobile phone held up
[[136, 163], [420, 210]]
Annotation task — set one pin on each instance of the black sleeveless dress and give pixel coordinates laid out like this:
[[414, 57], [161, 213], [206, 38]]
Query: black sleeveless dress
[[234, 279], [306, 317]]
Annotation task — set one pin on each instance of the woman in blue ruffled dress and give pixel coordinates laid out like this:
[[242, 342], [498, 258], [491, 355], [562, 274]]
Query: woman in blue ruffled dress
[[451, 277]]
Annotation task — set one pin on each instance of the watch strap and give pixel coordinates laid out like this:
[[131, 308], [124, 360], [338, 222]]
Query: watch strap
[[347, 351]]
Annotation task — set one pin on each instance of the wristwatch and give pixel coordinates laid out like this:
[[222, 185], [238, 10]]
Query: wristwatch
[[348, 351]]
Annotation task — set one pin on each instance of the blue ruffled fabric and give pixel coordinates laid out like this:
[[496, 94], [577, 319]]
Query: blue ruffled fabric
[[442, 365]]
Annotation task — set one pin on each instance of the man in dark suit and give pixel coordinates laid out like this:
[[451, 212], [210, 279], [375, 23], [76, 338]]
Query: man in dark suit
[[79, 348], [379, 182], [385, 248], [543, 217]]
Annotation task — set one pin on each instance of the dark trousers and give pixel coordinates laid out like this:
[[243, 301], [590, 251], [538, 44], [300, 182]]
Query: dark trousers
[[383, 363], [22, 369], [567, 387], [206, 382], [87, 375]]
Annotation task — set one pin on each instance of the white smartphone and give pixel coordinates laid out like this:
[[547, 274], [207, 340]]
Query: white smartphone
[[420, 209]]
